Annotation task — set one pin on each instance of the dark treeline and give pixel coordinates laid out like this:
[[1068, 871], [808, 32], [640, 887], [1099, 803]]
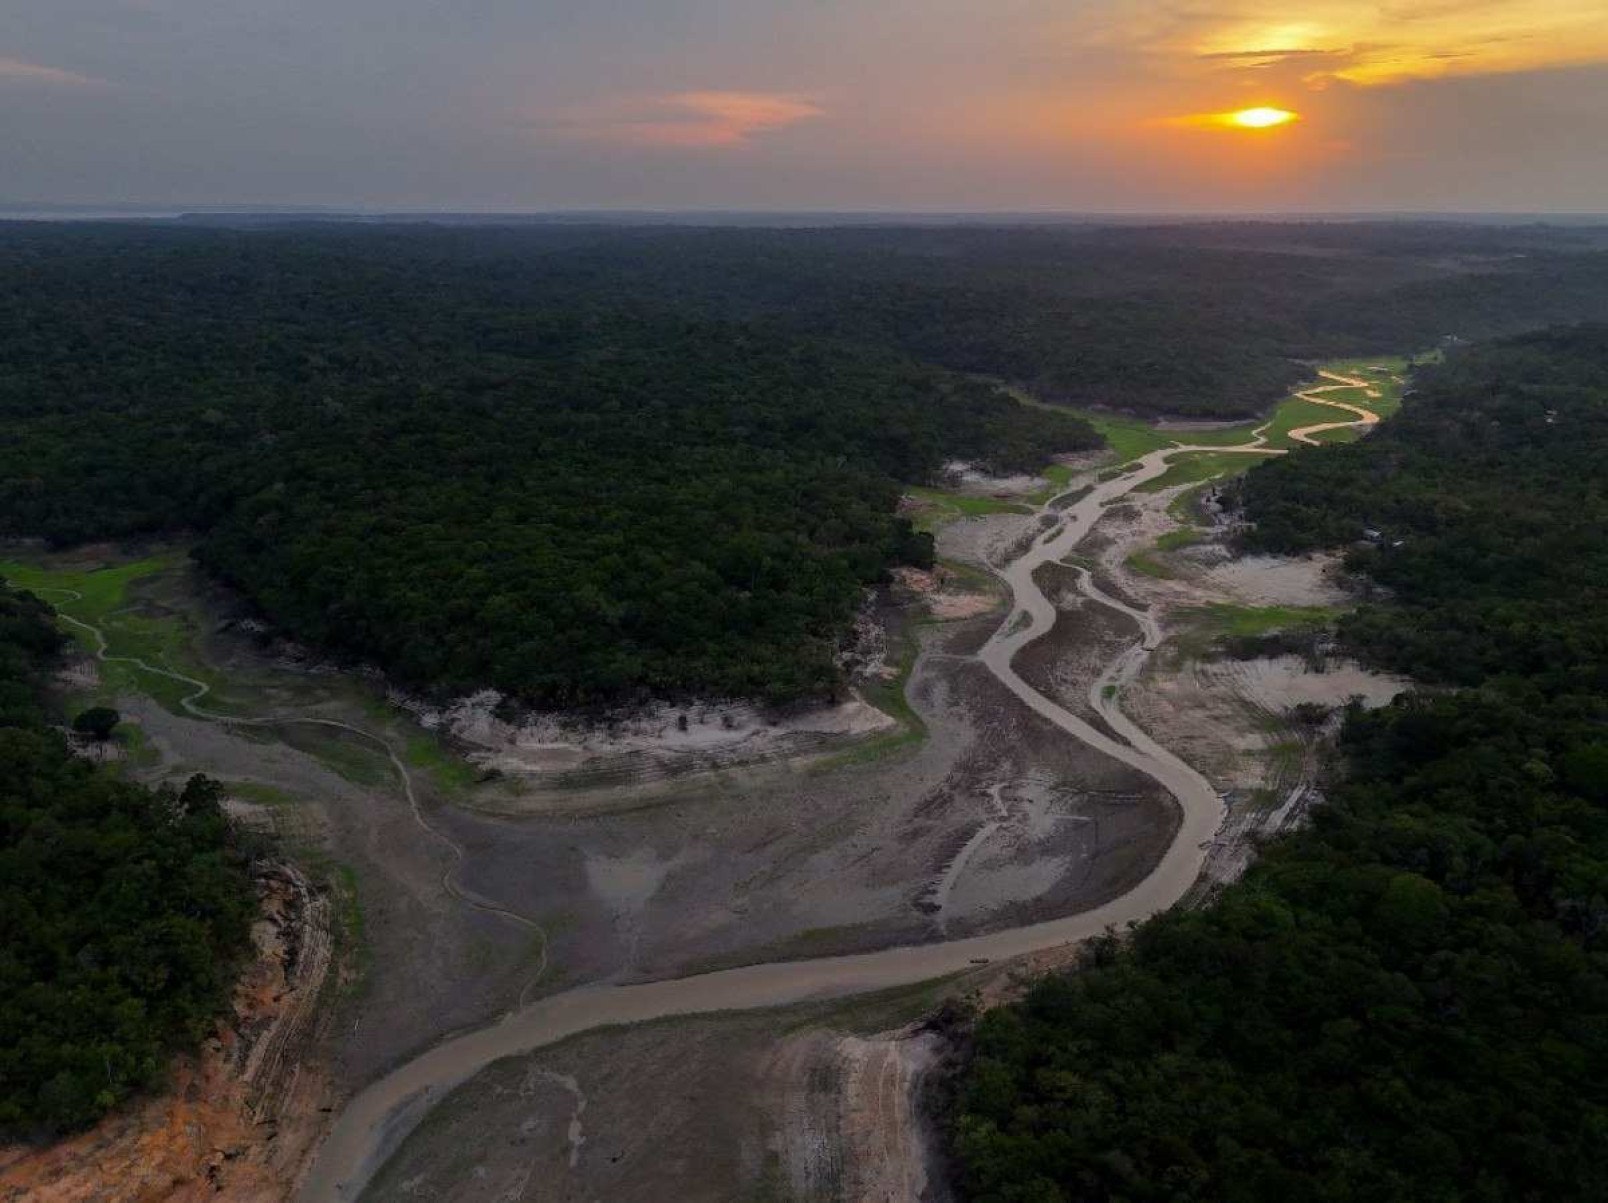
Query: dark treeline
[[1409, 998], [1206, 321], [123, 911]]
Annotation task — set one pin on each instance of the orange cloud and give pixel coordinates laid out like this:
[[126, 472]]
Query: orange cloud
[[1411, 39], [716, 119], [15, 70], [1364, 42]]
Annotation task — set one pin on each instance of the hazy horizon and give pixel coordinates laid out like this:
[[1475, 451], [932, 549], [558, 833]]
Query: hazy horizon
[[136, 211]]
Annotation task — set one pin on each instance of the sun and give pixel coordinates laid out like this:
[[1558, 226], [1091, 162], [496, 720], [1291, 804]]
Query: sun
[[1261, 118]]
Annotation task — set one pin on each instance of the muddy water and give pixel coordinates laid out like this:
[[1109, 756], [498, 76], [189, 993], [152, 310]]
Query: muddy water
[[377, 1119], [1364, 418]]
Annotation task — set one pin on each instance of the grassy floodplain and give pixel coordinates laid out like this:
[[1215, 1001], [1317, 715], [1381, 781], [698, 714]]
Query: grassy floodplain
[[121, 599], [106, 597]]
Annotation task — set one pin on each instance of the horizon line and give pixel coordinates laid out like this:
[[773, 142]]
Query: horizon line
[[128, 210]]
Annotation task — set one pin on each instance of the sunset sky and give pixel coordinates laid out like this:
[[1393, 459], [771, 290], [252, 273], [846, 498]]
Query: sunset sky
[[1048, 105]]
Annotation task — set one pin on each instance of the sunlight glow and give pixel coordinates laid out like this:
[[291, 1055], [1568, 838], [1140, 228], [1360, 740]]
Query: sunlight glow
[[1260, 118], [1367, 42]]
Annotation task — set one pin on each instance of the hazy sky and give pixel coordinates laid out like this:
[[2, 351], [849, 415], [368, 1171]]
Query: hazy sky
[[850, 104]]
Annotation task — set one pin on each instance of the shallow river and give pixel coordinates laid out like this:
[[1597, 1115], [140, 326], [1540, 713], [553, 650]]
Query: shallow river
[[376, 1120]]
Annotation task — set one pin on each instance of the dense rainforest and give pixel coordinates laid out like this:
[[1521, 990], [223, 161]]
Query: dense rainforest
[[1409, 998], [573, 504], [588, 464], [1481, 507], [123, 910]]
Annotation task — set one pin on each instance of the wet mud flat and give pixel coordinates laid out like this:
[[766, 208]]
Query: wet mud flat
[[811, 1102], [421, 963], [1066, 662], [773, 860], [784, 863]]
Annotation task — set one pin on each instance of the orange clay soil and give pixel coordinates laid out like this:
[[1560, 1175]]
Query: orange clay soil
[[239, 1116]]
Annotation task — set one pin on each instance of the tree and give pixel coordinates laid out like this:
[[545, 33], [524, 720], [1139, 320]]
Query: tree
[[98, 723]]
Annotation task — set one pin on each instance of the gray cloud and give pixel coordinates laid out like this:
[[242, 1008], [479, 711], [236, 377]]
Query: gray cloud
[[935, 104]]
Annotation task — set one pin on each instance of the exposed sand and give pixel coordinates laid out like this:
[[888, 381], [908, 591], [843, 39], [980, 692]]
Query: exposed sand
[[1281, 683], [553, 743], [982, 541], [946, 597], [967, 478], [1279, 580]]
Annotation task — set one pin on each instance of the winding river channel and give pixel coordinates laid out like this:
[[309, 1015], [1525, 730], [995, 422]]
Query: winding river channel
[[376, 1120]]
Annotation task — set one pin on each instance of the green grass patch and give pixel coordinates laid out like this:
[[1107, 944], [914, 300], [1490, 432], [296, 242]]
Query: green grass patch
[[263, 795], [973, 578], [427, 753], [937, 508], [1129, 438], [1227, 436], [1226, 619], [138, 753], [888, 696], [965, 504], [1175, 539], [1197, 466], [1298, 412], [1146, 564], [358, 761], [1343, 434], [1285, 757], [103, 590], [352, 926], [1385, 383], [107, 600], [1186, 509], [1057, 476], [1263, 798]]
